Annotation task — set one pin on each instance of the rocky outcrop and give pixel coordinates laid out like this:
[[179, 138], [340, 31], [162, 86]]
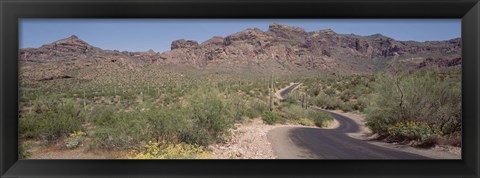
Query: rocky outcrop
[[287, 32], [214, 41], [440, 62], [71, 48], [184, 44]]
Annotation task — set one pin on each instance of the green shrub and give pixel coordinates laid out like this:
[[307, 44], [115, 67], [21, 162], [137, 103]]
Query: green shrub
[[346, 107], [238, 108], [52, 119], [290, 99], [121, 130], [327, 102], [271, 117], [423, 97], [196, 136], [321, 119], [359, 104], [23, 152], [210, 111], [409, 130], [294, 112], [260, 107], [306, 122], [330, 91], [166, 123], [252, 113]]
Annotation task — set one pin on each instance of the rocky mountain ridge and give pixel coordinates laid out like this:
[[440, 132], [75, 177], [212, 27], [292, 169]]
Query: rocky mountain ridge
[[292, 47]]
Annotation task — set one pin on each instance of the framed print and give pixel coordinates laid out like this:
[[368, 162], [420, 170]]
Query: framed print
[[239, 88]]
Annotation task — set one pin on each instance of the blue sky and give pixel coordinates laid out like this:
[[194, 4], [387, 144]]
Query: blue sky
[[157, 34]]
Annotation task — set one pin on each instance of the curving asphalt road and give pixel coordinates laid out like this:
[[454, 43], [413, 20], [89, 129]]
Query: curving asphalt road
[[288, 89], [317, 143]]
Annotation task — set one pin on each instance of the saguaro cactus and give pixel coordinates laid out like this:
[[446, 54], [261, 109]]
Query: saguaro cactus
[[304, 100], [84, 103], [271, 92]]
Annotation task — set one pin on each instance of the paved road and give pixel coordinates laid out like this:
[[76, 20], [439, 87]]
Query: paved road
[[288, 89], [317, 143]]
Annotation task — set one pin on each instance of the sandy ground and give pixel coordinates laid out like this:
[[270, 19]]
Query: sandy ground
[[249, 141]]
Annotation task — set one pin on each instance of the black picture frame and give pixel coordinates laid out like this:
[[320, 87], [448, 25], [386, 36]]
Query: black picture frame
[[11, 11]]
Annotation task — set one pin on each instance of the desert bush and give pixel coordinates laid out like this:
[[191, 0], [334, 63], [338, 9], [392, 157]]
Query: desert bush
[[260, 107], [23, 152], [166, 123], [454, 139], [210, 111], [330, 91], [422, 97], [294, 112], [238, 108], [327, 102], [291, 99], [306, 122], [255, 109], [359, 104], [271, 117], [252, 113], [118, 131], [409, 130], [346, 107], [314, 91], [196, 136], [52, 119], [321, 119]]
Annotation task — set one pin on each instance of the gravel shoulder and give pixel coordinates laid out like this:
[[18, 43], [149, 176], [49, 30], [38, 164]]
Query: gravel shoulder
[[249, 140]]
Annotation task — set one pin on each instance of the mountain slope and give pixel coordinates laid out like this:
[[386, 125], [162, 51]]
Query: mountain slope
[[290, 48]]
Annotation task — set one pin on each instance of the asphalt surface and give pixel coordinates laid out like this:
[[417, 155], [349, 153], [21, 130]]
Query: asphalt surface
[[289, 89], [318, 143]]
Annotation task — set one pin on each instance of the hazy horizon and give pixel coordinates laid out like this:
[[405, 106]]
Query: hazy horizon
[[157, 34]]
